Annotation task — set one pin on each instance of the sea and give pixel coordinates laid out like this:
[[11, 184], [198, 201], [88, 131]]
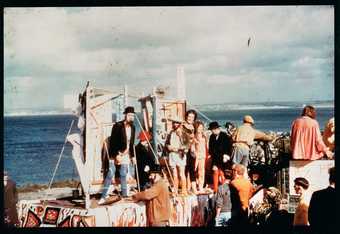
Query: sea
[[33, 143]]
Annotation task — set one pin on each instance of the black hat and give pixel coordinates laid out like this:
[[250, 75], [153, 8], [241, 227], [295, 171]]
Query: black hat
[[156, 169], [213, 125], [129, 109]]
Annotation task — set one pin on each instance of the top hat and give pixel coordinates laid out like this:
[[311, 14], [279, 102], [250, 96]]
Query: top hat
[[129, 109], [213, 125]]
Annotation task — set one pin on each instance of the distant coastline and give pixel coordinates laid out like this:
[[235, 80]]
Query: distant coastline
[[201, 107]]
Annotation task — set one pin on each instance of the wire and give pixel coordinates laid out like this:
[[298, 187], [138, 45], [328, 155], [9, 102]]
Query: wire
[[153, 152], [204, 116], [61, 153]]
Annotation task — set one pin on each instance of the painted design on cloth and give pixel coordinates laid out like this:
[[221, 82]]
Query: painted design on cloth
[[51, 215], [65, 223], [32, 220]]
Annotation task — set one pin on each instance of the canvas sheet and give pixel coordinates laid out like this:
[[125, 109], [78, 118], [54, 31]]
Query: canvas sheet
[[185, 211]]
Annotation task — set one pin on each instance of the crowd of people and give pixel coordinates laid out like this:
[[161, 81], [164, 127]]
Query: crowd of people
[[218, 161]]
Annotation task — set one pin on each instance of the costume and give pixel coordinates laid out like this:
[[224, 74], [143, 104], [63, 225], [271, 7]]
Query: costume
[[144, 158], [177, 158], [218, 146], [122, 139], [199, 150], [306, 141], [321, 212], [187, 138], [158, 207]]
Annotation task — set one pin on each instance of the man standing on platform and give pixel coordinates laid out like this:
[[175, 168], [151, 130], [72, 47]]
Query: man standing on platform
[[121, 152], [218, 149], [158, 206], [243, 138], [177, 154]]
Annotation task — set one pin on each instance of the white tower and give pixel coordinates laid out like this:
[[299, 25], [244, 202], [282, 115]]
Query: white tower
[[181, 83]]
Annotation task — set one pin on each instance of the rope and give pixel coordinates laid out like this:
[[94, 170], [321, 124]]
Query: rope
[[134, 152], [61, 153], [203, 115], [153, 152]]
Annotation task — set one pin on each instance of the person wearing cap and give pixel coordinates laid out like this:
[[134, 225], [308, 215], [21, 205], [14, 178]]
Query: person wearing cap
[[322, 212], [145, 158], [218, 149], [223, 201], [243, 138], [301, 186], [305, 138], [177, 154], [121, 152], [10, 201], [158, 198]]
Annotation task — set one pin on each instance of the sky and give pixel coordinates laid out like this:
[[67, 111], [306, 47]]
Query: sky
[[53, 52]]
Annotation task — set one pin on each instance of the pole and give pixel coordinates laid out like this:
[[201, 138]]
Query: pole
[[134, 152], [61, 153]]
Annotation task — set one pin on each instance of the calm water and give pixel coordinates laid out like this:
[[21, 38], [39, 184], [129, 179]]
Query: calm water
[[32, 144]]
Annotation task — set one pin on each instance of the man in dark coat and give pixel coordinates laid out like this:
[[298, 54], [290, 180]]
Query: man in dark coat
[[120, 152], [322, 210], [145, 159], [219, 149], [11, 199]]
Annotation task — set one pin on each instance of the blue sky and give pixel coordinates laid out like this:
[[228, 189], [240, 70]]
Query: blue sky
[[52, 52]]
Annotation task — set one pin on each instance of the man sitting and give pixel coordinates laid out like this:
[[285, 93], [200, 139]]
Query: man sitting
[[158, 208]]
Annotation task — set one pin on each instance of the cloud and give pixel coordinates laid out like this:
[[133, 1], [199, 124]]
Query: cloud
[[62, 48]]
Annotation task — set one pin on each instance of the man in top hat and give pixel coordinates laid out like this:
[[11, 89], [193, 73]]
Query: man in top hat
[[120, 152], [145, 158], [177, 154], [219, 147], [158, 207], [243, 138]]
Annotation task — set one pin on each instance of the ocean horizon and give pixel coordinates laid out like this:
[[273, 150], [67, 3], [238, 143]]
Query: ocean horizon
[[202, 107]]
